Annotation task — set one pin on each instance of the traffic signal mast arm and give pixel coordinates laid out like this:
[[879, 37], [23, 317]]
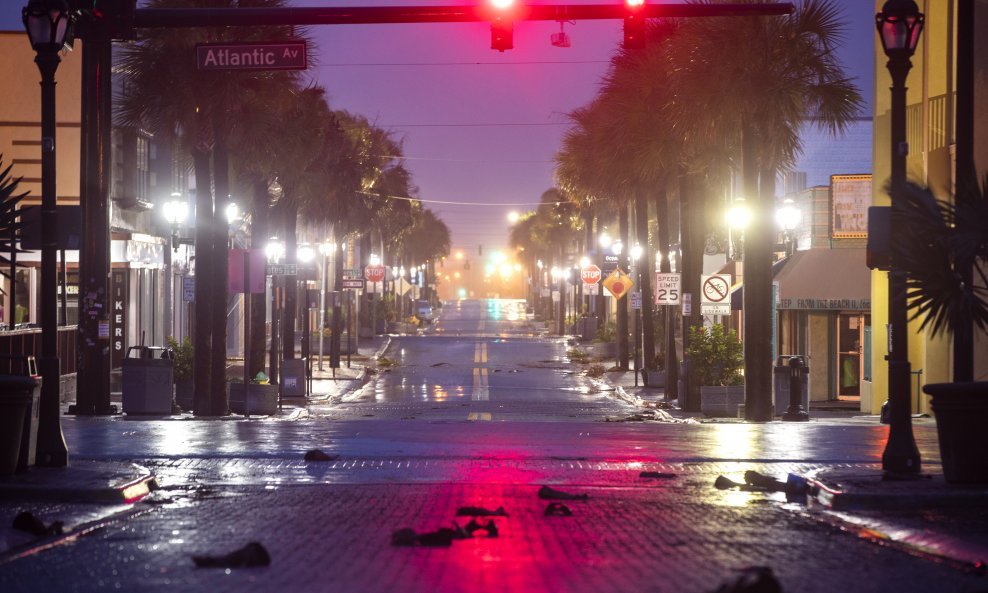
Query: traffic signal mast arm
[[339, 15]]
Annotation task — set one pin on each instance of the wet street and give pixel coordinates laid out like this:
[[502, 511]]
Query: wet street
[[480, 410]]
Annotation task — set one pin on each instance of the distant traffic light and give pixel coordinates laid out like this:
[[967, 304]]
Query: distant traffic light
[[502, 26], [634, 24]]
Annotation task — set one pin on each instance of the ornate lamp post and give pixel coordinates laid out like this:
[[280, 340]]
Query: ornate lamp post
[[175, 211], [899, 26], [49, 27]]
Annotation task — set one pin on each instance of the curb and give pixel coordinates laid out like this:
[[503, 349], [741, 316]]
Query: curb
[[119, 489]]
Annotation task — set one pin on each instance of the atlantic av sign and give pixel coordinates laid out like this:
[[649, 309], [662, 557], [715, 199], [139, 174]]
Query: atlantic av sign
[[279, 55]]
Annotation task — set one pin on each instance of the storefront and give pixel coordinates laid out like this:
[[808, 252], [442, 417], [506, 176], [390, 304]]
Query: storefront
[[824, 308]]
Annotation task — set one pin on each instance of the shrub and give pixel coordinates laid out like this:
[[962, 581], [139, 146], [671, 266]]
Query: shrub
[[595, 371], [183, 358], [715, 355], [607, 333]]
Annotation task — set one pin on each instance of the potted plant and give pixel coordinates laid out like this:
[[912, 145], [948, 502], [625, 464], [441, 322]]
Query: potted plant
[[182, 371], [944, 254], [716, 356], [261, 396]]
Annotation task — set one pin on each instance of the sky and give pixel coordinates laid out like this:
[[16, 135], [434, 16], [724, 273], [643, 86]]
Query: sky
[[481, 127]]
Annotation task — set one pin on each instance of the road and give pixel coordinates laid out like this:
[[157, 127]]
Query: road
[[482, 410]]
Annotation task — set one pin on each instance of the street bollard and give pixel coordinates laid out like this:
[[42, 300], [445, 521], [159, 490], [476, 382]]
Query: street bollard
[[795, 413]]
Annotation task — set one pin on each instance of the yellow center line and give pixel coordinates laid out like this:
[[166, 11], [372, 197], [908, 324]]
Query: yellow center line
[[480, 390]]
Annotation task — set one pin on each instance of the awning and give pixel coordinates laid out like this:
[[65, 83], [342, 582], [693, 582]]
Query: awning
[[820, 280]]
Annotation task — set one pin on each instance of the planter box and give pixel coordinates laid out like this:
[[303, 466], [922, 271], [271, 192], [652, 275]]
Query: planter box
[[961, 411], [721, 402], [262, 399], [653, 378]]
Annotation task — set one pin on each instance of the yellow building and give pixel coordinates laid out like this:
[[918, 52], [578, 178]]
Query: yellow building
[[931, 133]]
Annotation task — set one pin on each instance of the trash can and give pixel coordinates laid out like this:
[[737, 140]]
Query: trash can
[[148, 380], [293, 377], [19, 397], [781, 375]]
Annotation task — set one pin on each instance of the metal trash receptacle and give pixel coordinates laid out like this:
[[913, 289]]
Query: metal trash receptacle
[[148, 380], [24, 381], [19, 397], [293, 377], [781, 374]]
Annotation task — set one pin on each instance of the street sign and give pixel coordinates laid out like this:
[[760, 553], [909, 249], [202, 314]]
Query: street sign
[[282, 269], [353, 283], [715, 289], [591, 289], [590, 274], [188, 289], [283, 55], [608, 262], [618, 283], [715, 309], [687, 304], [374, 273], [636, 300], [353, 274], [668, 287]]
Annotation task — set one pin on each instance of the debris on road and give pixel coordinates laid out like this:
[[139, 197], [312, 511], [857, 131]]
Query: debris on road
[[473, 527], [754, 579], [657, 475], [469, 511], [440, 538], [557, 509], [253, 554], [319, 455], [547, 493], [25, 521], [794, 487]]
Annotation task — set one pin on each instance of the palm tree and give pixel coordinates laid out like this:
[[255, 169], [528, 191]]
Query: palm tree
[[751, 87], [10, 223], [165, 93]]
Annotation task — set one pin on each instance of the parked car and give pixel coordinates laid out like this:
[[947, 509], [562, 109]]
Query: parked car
[[423, 310]]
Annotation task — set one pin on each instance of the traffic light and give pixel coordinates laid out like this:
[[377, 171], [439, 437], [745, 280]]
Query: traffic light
[[634, 24], [502, 26], [117, 16]]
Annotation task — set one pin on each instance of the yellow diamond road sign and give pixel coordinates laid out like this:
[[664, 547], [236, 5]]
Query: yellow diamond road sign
[[618, 283]]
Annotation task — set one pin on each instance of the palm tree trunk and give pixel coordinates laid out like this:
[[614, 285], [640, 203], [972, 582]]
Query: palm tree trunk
[[645, 273], [561, 321], [691, 241], [259, 234], [219, 400], [204, 304], [758, 241], [661, 200], [622, 303], [290, 312]]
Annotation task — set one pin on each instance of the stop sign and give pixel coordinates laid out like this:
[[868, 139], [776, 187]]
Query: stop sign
[[590, 274], [374, 273]]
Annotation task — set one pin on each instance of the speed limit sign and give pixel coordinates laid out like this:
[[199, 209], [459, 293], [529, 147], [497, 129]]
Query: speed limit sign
[[668, 287]]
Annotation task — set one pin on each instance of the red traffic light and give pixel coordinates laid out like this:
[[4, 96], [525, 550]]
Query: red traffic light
[[634, 24], [502, 26]]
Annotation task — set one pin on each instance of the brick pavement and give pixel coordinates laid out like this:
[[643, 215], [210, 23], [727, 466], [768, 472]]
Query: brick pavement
[[672, 535]]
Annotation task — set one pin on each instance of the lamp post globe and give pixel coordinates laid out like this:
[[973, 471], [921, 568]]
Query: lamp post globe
[[899, 26]]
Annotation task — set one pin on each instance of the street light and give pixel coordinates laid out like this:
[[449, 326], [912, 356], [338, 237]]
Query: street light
[[899, 26], [788, 217], [49, 26], [175, 211], [738, 217]]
